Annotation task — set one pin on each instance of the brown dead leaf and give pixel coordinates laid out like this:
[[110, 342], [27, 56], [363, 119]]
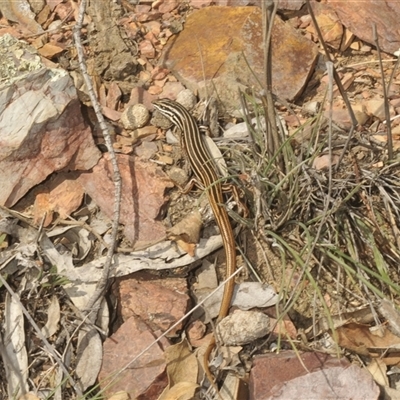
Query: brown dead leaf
[[378, 369], [323, 162], [121, 395], [28, 396], [182, 371], [382, 138], [180, 391], [186, 233], [285, 327], [185, 246], [360, 339], [362, 316]]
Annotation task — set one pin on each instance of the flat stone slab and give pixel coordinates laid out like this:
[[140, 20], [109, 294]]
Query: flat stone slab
[[223, 47]]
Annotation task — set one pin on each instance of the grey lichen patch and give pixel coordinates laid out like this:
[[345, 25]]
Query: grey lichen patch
[[17, 59]]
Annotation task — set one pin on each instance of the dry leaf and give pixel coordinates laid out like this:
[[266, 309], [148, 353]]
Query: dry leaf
[[13, 350], [182, 371], [53, 318], [358, 338], [181, 391], [122, 395], [50, 50], [378, 369], [323, 162], [29, 396], [186, 233], [90, 357]]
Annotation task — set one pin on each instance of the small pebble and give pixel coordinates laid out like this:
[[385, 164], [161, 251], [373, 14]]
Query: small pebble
[[135, 116], [243, 327], [187, 98]]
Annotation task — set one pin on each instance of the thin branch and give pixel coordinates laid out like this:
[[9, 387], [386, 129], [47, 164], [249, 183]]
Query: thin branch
[[385, 98], [93, 304]]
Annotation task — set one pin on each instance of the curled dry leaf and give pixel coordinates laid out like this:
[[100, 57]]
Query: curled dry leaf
[[323, 162], [388, 311], [182, 371], [180, 391], [186, 233], [234, 388]]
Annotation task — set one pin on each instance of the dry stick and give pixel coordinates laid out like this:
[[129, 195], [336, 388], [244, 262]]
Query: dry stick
[[94, 302], [269, 8], [385, 99], [339, 85], [393, 72]]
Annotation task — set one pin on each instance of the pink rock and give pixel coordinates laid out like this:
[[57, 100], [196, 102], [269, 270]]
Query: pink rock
[[41, 126], [147, 49], [143, 188], [147, 371], [160, 303]]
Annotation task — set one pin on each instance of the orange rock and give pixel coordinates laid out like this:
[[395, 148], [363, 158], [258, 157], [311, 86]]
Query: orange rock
[[230, 49]]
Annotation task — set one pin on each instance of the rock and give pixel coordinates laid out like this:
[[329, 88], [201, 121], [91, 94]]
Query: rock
[[20, 12], [135, 116], [243, 327], [331, 28], [159, 303], [41, 126], [384, 13], [143, 188], [233, 42], [144, 373], [274, 375], [187, 98], [376, 107], [239, 130]]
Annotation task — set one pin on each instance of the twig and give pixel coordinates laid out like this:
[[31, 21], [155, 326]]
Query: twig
[[93, 304], [384, 91], [273, 141]]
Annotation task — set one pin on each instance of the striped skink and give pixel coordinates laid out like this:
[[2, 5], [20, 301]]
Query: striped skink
[[204, 169]]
